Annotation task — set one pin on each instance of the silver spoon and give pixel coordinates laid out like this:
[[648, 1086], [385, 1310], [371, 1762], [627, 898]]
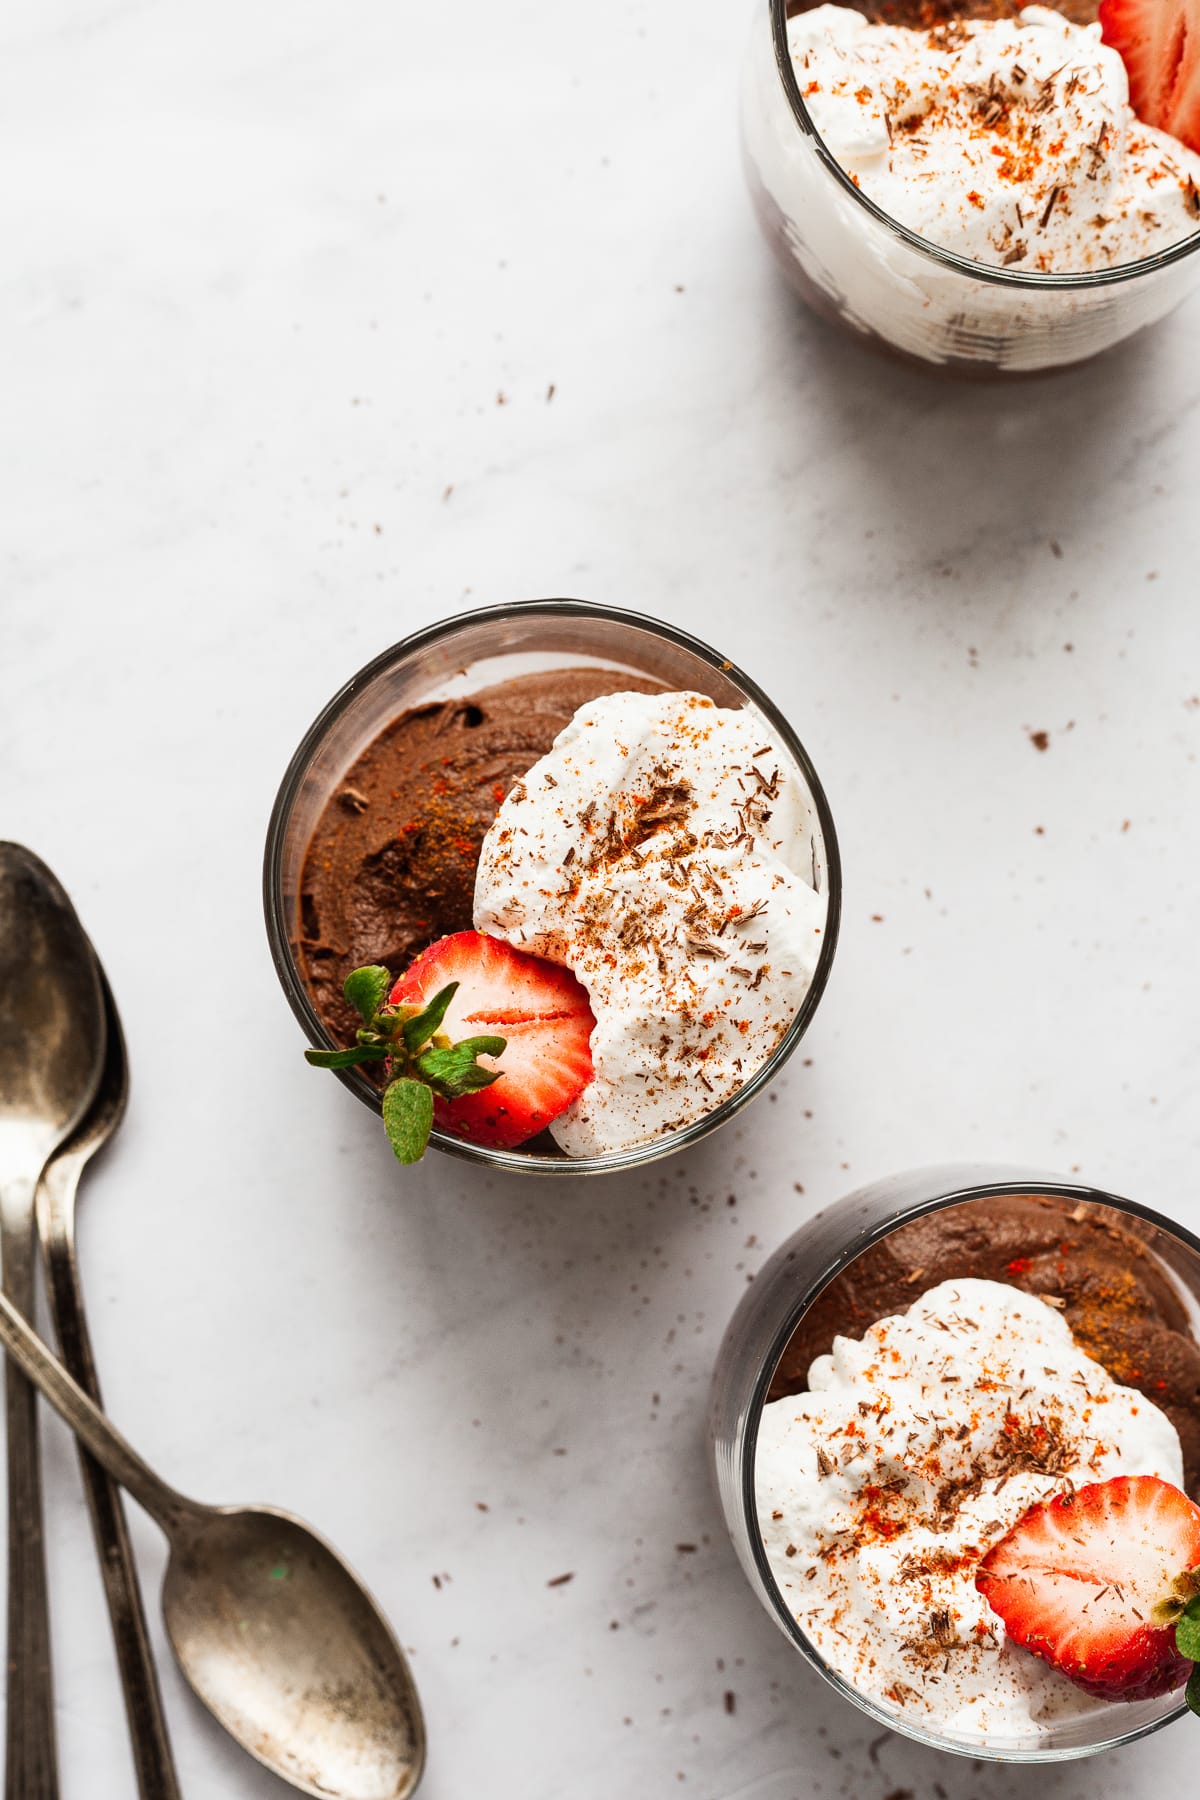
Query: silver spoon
[[278, 1638], [154, 1764], [51, 1048]]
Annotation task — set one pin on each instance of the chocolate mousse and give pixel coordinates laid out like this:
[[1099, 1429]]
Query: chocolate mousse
[[391, 865], [1116, 1298]]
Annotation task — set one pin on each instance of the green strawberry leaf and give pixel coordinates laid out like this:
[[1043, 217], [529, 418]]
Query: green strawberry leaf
[[1193, 1690], [421, 1027], [1187, 1631], [454, 1072], [346, 1059], [408, 1118], [367, 989], [420, 1068]]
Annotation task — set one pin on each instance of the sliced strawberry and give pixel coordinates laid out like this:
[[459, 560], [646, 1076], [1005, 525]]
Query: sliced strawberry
[[1094, 1582], [541, 1011], [1159, 43]]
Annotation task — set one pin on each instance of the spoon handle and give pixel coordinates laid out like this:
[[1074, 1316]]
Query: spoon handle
[[30, 1759], [154, 1764], [168, 1508]]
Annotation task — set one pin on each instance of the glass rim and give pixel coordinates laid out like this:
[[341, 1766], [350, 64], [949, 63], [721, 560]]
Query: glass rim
[[1030, 281], [980, 1184], [296, 993]]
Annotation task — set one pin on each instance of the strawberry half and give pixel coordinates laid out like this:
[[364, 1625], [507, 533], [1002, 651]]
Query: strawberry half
[[1097, 1581], [539, 1009], [1159, 43]]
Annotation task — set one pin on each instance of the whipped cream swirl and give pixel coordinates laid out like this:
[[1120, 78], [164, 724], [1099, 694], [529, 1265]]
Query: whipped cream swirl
[[667, 851], [1011, 142], [881, 1489]]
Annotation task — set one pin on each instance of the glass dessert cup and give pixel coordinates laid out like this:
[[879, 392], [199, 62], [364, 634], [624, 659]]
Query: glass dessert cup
[[460, 656], [858, 266], [778, 1301]]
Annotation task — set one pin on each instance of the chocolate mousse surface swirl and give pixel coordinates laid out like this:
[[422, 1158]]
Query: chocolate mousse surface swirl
[[391, 864], [1119, 1303]]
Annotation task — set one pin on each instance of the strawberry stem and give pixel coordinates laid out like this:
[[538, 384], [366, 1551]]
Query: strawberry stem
[[421, 1062]]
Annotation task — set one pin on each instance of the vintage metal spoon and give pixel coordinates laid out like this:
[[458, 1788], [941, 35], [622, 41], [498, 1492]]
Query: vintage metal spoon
[[278, 1638], [51, 1049], [156, 1776]]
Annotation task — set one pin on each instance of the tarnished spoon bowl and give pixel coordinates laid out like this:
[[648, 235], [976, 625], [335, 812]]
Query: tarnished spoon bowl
[[288, 1652], [51, 1018]]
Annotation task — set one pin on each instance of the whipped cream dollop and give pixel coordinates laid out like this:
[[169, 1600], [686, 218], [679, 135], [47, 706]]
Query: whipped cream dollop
[[881, 1489], [1011, 142], [667, 851]]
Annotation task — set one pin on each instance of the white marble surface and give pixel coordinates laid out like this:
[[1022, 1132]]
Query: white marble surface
[[268, 271]]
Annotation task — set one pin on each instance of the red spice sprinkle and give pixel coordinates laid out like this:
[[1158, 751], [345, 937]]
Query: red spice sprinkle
[[877, 1524]]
